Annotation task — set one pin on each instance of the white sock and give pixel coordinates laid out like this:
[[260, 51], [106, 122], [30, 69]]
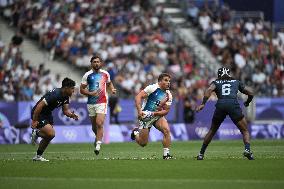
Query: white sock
[[98, 145], [166, 151], [136, 133]]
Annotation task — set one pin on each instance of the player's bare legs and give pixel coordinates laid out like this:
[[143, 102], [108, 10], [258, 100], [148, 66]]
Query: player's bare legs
[[98, 129], [163, 126], [100, 119], [207, 139], [212, 131], [47, 133], [142, 137], [242, 125], [94, 127]]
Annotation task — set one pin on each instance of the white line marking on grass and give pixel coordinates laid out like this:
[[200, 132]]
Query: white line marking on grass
[[65, 152], [145, 180], [88, 152]]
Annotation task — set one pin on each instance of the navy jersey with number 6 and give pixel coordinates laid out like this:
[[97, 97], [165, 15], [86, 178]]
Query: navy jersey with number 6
[[227, 104], [227, 89]]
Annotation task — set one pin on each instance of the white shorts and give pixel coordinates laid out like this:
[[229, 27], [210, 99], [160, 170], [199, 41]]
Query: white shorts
[[94, 109], [145, 124]]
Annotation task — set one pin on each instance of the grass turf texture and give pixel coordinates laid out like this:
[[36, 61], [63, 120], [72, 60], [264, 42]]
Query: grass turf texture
[[126, 165]]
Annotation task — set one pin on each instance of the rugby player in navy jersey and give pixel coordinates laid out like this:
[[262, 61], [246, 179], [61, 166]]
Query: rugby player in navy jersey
[[226, 89], [157, 100], [41, 115]]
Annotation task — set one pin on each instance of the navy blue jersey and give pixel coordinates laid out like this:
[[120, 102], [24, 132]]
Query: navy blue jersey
[[53, 99], [228, 89]]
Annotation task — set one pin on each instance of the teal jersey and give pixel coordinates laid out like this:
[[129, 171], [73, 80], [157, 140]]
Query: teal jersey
[[97, 81], [157, 98]]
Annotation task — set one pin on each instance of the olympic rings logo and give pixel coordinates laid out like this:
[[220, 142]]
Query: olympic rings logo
[[201, 131], [81, 112], [70, 134]]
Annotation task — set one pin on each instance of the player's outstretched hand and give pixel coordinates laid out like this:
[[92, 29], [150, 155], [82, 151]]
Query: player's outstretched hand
[[113, 91], [141, 114], [74, 116], [147, 115], [246, 104], [200, 107]]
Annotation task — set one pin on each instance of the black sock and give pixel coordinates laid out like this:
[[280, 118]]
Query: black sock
[[39, 152], [203, 148], [247, 147]]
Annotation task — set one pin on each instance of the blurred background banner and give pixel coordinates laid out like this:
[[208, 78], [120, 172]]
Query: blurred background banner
[[267, 131], [81, 110], [121, 133], [15, 121], [24, 112], [269, 109], [8, 115]]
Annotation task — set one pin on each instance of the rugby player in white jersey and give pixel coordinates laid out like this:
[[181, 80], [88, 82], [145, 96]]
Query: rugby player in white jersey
[[157, 100]]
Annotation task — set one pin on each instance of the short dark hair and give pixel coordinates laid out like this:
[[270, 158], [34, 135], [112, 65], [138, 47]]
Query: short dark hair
[[94, 57], [162, 75], [67, 82]]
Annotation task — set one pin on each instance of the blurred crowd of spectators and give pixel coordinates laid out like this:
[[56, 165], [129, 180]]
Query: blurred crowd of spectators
[[137, 44], [248, 46], [132, 37], [19, 81]]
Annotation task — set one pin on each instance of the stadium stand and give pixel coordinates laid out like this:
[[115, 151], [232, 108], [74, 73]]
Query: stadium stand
[[131, 37], [19, 80], [244, 42], [137, 42]]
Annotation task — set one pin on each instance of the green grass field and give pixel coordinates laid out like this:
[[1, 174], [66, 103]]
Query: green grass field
[[126, 165]]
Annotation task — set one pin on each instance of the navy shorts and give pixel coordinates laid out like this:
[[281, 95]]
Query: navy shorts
[[43, 120], [223, 109]]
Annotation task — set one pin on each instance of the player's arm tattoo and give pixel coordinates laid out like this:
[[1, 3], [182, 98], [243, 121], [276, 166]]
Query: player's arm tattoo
[[208, 92]]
